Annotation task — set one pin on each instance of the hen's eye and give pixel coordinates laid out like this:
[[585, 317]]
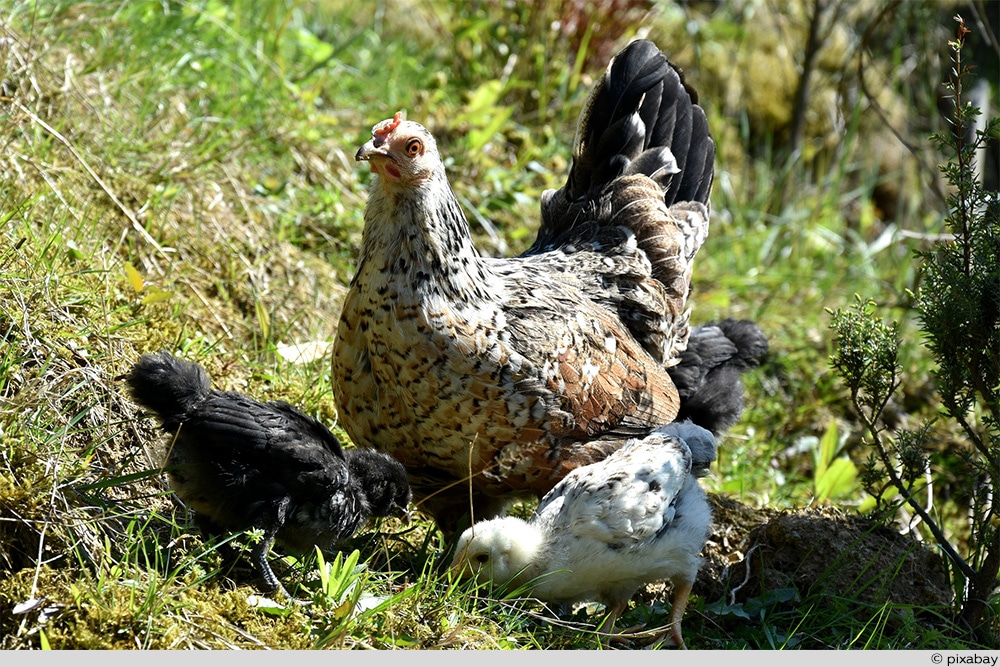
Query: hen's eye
[[414, 147], [482, 559]]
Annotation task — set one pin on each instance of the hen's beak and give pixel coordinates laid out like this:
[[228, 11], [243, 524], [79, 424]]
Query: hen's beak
[[376, 153], [370, 149]]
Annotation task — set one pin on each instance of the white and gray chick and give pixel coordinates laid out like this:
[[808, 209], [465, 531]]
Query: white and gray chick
[[607, 529]]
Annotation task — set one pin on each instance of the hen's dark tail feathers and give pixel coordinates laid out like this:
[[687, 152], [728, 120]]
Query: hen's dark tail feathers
[[168, 386], [643, 119], [708, 377], [642, 147]]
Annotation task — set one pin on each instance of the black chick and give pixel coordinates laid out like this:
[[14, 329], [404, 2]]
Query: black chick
[[242, 464], [708, 377]]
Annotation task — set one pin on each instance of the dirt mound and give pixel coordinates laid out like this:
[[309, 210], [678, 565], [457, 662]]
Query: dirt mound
[[813, 550]]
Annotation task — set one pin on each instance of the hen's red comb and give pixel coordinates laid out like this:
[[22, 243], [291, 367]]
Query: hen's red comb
[[383, 129]]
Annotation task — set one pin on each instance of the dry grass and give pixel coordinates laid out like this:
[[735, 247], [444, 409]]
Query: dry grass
[[95, 181]]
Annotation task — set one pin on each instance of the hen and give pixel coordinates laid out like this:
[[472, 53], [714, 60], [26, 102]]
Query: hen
[[490, 378], [242, 464], [708, 375], [607, 529]]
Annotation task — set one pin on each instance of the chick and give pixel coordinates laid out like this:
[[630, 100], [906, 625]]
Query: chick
[[242, 464], [607, 529]]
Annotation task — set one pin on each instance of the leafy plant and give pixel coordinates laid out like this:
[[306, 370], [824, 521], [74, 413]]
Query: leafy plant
[[958, 306], [835, 473]]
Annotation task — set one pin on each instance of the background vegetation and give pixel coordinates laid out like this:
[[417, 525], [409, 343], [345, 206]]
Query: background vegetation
[[179, 175]]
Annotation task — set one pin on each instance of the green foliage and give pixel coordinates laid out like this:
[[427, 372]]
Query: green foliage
[[959, 300], [835, 475], [339, 579], [958, 304], [959, 307], [866, 356]]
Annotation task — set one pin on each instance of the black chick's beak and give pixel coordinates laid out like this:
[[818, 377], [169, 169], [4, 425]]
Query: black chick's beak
[[403, 514]]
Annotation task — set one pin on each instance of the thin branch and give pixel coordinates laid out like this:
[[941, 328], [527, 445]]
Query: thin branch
[[801, 101], [977, 441], [879, 20], [897, 482], [961, 151], [939, 535]]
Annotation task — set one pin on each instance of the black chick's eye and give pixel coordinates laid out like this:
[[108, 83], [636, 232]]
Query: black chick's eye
[[482, 559], [414, 147]]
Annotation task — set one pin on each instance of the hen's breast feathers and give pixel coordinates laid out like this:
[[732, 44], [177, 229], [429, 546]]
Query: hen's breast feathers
[[564, 369]]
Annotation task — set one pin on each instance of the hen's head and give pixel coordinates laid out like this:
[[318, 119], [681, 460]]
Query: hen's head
[[499, 550], [401, 152]]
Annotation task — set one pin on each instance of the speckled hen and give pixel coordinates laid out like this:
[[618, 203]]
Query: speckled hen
[[242, 464], [607, 529], [492, 378]]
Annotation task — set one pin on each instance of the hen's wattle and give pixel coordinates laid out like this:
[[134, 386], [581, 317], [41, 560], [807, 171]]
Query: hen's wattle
[[490, 378]]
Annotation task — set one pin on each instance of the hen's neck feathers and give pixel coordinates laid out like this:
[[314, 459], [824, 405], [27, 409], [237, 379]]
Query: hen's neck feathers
[[420, 232]]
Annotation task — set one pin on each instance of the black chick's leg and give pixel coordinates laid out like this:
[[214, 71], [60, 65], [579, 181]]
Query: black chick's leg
[[271, 523], [259, 555]]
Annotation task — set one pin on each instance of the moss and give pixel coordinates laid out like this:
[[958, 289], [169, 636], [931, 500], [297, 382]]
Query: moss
[[131, 613]]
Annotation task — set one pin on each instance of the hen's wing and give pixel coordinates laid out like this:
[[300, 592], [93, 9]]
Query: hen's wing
[[623, 500], [584, 354]]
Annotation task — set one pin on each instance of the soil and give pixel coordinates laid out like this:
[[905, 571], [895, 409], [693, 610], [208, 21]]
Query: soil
[[816, 550]]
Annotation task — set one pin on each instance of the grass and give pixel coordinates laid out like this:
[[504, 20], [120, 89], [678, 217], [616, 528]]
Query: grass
[[179, 175]]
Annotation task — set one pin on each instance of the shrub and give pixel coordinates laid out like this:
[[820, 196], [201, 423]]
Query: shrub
[[958, 306]]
